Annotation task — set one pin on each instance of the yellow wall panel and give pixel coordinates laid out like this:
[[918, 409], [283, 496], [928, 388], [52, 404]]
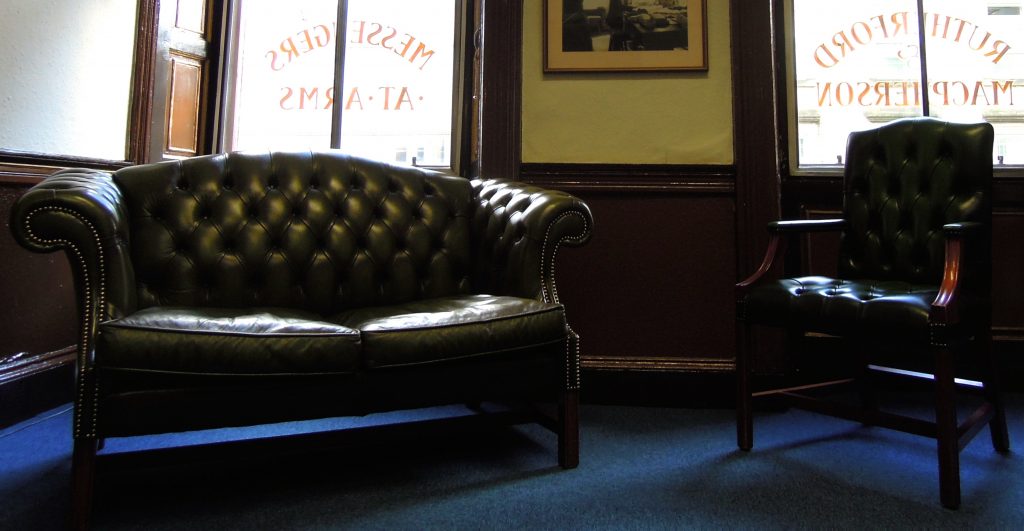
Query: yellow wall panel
[[628, 118]]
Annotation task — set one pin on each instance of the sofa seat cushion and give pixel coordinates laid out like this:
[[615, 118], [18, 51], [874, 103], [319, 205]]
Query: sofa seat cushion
[[259, 341], [457, 327]]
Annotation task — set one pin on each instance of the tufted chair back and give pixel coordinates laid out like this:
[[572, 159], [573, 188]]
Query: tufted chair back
[[316, 231], [903, 182]]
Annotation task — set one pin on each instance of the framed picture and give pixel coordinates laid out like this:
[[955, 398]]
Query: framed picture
[[625, 35]]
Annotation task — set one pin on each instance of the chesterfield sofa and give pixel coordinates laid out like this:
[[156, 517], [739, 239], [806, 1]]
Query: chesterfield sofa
[[250, 288]]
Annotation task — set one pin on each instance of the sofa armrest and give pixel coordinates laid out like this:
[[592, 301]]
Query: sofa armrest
[[80, 212], [516, 230]]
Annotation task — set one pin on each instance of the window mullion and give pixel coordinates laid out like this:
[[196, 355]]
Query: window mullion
[[339, 73], [923, 56]]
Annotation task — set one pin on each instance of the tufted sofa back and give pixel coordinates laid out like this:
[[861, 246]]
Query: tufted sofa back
[[317, 231], [903, 182]]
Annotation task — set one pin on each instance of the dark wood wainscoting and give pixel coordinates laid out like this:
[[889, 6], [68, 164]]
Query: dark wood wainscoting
[[1008, 270], [652, 290], [38, 315]]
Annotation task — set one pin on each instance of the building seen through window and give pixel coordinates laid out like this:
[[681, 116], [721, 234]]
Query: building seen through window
[[856, 65], [399, 72]]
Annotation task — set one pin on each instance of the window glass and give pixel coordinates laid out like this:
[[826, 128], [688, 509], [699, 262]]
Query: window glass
[[976, 69], [399, 64], [856, 65], [399, 78], [282, 91]]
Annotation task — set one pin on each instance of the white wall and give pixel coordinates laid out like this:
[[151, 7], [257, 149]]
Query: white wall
[[65, 76]]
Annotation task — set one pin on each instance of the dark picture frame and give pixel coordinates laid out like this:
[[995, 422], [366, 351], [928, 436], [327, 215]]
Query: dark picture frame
[[625, 35]]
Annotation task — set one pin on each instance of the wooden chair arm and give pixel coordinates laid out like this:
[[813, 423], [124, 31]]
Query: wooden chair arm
[[945, 307], [780, 230]]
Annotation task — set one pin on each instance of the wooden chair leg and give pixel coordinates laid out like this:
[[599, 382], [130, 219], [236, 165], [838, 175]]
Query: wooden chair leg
[[994, 395], [83, 472], [946, 425], [569, 429], [744, 411]]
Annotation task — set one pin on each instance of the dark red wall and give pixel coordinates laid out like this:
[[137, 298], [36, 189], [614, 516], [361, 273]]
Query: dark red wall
[[38, 313]]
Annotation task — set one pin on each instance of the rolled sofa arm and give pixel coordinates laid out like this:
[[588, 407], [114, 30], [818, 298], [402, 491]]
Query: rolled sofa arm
[[80, 212], [516, 231]]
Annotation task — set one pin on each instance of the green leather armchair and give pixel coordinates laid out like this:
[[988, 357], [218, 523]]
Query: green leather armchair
[[239, 289], [913, 284]]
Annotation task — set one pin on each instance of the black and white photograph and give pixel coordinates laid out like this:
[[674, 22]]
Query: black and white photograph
[[597, 35]]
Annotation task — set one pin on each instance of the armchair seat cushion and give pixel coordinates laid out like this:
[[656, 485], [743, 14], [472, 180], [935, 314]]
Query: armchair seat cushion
[[843, 307], [261, 341], [449, 328]]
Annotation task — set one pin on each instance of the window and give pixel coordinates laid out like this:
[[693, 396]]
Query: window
[[400, 78], [854, 65]]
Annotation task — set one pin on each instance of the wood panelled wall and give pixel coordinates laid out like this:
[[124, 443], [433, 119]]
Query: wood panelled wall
[[38, 314], [652, 290]]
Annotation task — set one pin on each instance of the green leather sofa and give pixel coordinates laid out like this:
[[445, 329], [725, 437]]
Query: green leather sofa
[[243, 288]]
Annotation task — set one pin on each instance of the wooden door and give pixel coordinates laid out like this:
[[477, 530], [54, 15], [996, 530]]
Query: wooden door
[[185, 78]]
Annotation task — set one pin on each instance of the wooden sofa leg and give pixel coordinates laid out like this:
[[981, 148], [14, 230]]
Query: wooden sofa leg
[[569, 429], [83, 473]]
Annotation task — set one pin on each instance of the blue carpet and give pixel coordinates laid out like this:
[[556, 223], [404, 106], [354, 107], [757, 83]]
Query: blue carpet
[[641, 468]]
